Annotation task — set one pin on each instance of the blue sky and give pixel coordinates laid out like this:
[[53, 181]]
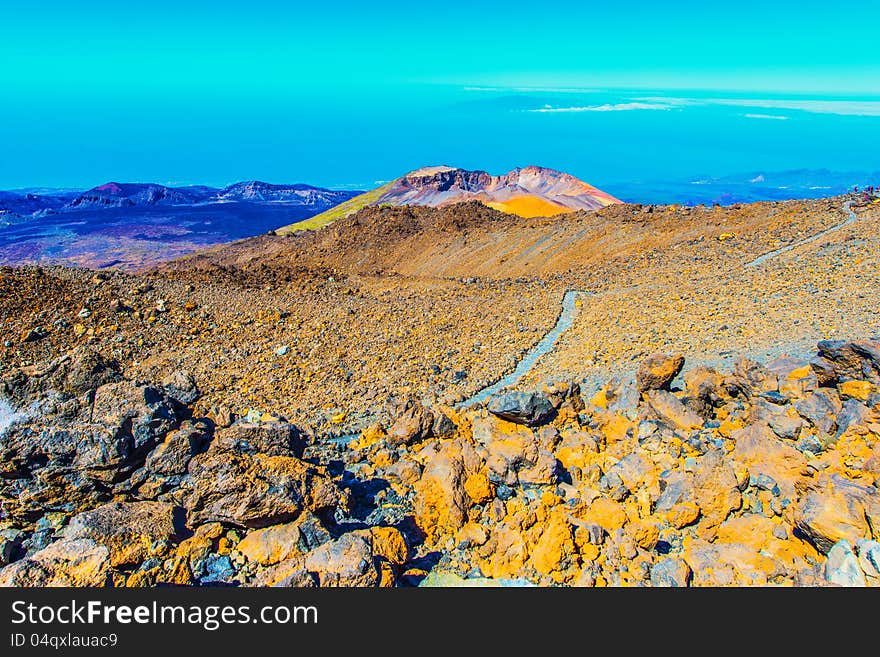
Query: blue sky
[[345, 93]]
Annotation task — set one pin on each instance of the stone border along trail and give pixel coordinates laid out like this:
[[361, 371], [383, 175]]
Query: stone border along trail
[[850, 219], [569, 307]]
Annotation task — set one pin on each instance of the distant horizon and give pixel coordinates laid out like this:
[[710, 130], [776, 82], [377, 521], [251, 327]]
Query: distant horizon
[[345, 94], [692, 179]]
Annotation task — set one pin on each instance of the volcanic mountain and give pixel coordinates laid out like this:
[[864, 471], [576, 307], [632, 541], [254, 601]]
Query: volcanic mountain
[[256, 191], [120, 195], [528, 192]]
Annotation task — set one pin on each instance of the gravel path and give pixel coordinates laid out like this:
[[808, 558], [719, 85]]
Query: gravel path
[[850, 219]]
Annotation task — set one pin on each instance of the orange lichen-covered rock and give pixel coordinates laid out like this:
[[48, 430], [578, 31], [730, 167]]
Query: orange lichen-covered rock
[[681, 515], [658, 370], [606, 513], [758, 448], [75, 562], [644, 533], [507, 553], [715, 490], [389, 544], [441, 501], [479, 488], [555, 548], [860, 390]]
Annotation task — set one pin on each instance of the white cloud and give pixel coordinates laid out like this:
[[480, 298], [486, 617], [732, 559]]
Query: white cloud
[[775, 117], [618, 107], [841, 107], [814, 106]]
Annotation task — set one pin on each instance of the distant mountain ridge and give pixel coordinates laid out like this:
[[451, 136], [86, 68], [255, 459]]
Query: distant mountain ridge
[[143, 195], [118, 195], [259, 191], [135, 225]]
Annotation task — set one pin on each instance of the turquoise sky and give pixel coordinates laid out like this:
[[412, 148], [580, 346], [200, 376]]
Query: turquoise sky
[[345, 93]]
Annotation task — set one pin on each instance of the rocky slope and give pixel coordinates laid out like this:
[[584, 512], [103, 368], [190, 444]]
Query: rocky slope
[[764, 475]]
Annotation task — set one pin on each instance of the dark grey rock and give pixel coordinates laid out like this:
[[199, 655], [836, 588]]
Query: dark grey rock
[[820, 409], [842, 567], [529, 408], [671, 572], [218, 570], [764, 482], [181, 386], [272, 438], [852, 413], [855, 360]]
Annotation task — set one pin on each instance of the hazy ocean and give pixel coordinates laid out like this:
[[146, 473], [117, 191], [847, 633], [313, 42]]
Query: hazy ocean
[[641, 145], [661, 146]]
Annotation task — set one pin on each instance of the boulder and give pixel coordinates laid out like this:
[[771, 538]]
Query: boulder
[[140, 415], [544, 471], [117, 431], [658, 370], [767, 456], [75, 374], [672, 411], [820, 409], [129, 531], [853, 413], [181, 386], [633, 470], [849, 360], [566, 394], [347, 561], [824, 371], [716, 489], [835, 508], [412, 423], [479, 488], [272, 545], [705, 390], [69, 455], [676, 487], [167, 464], [255, 490], [731, 564], [752, 378], [268, 438], [842, 567], [80, 562], [671, 572], [555, 549], [172, 456], [528, 408], [513, 454], [441, 500]]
